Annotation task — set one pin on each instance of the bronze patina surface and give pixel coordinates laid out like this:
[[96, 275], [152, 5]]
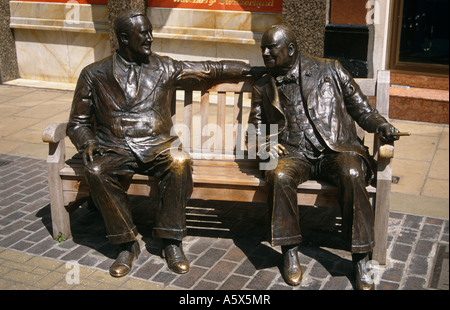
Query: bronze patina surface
[[120, 122], [315, 103]]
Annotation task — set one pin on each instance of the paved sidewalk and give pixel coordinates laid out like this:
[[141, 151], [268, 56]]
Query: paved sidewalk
[[226, 244], [229, 254]]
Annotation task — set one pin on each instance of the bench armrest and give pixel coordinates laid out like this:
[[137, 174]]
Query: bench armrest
[[54, 132], [386, 151]]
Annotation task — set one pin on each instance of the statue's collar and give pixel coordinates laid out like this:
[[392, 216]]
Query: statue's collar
[[124, 64], [292, 76]]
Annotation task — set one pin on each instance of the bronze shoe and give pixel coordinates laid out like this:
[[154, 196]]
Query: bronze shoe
[[124, 261], [292, 270], [176, 260], [363, 278]]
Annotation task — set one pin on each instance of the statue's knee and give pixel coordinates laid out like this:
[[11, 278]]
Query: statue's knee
[[278, 177], [93, 169], [352, 173], [181, 160], [351, 167]]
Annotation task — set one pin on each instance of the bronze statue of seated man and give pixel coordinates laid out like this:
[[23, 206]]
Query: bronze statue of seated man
[[120, 121], [315, 103]]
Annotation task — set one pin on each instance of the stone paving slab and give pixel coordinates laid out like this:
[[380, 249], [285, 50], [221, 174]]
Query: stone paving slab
[[225, 245]]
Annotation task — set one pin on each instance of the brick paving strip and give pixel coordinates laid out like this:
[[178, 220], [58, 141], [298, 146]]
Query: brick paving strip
[[225, 247]]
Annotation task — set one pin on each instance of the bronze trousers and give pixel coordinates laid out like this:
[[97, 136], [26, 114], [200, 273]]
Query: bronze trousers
[[108, 176], [345, 170]]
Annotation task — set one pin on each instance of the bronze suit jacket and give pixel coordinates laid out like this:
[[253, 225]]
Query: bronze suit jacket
[[143, 123], [333, 101]]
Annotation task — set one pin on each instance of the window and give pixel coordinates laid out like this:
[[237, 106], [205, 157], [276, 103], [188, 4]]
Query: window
[[420, 41]]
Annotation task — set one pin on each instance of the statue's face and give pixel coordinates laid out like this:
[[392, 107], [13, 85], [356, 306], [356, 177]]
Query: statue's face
[[276, 53], [140, 37]]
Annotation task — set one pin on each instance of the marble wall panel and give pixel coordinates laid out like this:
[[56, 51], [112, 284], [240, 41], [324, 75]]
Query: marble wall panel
[[247, 53], [57, 56], [85, 49], [185, 50], [191, 50], [54, 41], [246, 21], [214, 26], [59, 16], [204, 50], [202, 34]]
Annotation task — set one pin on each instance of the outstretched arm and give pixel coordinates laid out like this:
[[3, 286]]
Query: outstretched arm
[[200, 71]]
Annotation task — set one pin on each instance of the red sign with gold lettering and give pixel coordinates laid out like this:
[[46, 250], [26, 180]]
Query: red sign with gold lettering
[[270, 6], [98, 2]]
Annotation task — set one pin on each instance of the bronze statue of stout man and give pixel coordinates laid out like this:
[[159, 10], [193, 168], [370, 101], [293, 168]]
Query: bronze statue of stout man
[[120, 122], [315, 102]]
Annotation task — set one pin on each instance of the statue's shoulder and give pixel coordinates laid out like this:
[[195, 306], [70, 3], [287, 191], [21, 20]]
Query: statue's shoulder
[[263, 81], [99, 65], [323, 66], [161, 59], [309, 60]]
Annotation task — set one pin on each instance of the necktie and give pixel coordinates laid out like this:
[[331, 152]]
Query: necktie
[[131, 82]]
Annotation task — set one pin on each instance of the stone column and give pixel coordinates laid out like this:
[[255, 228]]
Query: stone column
[[308, 20], [9, 69], [117, 7]]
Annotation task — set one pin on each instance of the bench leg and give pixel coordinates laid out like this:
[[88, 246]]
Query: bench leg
[[382, 206], [60, 216]]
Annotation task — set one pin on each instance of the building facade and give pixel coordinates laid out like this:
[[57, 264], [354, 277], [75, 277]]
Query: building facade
[[51, 41]]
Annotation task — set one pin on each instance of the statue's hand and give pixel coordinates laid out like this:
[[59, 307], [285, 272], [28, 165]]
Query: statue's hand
[[388, 133], [258, 72], [277, 150], [90, 151]]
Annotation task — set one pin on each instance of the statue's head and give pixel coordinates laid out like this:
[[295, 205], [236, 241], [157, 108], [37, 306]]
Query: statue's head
[[279, 48], [134, 35]]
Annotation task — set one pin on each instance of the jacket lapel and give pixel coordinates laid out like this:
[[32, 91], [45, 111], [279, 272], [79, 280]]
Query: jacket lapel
[[107, 79], [308, 82], [149, 79], [308, 77], [272, 93]]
